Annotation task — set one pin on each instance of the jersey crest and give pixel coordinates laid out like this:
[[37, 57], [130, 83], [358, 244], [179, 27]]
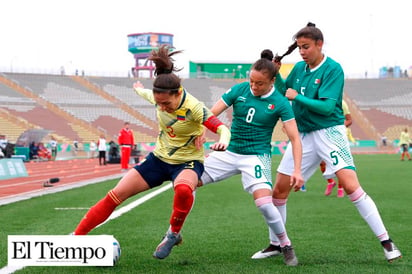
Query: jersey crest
[[181, 114]]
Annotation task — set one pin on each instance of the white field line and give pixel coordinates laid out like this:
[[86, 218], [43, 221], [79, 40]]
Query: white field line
[[117, 213]]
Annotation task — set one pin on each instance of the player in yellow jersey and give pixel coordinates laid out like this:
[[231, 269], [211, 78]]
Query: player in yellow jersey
[[404, 141], [175, 158]]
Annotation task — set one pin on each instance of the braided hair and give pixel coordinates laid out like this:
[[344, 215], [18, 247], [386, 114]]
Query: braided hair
[[310, 31]]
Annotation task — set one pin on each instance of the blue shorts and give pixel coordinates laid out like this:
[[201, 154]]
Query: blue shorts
[[156, 172]]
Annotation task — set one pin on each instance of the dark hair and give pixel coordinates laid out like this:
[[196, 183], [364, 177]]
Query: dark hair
[[265, 65], [166, 80], [310, 31], [267, 54]]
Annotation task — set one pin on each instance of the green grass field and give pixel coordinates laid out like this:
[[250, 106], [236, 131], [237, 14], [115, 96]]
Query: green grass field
[[225, 228]]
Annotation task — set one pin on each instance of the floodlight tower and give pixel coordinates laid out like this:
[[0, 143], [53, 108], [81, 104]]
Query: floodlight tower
[[141, 44]]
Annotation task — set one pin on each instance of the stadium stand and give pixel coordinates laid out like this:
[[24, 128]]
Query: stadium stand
[[82, 108], [384, 104]]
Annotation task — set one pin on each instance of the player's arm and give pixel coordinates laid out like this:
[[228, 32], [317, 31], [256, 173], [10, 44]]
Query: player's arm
[[145, 93], [217, 109], [321, 106], [291, 129], [280, 84], [216, 126]]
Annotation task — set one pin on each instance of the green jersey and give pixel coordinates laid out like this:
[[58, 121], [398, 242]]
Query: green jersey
[[326, 81], [254, 118]]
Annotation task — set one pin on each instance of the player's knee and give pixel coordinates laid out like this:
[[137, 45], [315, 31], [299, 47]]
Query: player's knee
[[183, 191], [263, 200]]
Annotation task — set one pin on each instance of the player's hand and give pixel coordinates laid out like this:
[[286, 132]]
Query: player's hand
[[296, 181], [137, 85], [291, 94], [200, 140], [219, 147]]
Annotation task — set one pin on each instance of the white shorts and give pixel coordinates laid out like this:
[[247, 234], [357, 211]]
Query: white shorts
[[330, 145], [256, 170]]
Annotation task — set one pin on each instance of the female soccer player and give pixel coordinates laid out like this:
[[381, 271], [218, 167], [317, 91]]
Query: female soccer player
[[315, 87], [181, 119], [257, 107], [404, 141]]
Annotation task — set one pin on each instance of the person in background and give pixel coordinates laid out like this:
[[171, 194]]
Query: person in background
[[75, 146], [33, 151], [53, 148], [126, 142], [315, 88], [92, 148], [176, 157], [44, 153], [404, 141], [102, 147], [384, 140], [114, 156], [3, 144]]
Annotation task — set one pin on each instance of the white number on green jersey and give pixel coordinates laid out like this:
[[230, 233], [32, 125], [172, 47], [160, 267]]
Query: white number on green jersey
[[249, 117]]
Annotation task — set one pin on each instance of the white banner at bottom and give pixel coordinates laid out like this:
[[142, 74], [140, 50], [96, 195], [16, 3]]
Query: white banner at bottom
[[63, 250]]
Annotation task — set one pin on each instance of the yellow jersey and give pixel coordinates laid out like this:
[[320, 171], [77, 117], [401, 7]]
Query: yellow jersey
[[177, 130]]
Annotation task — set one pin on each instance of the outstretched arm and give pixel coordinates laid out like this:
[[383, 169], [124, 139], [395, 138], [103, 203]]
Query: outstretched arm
[[145, 93], [217, 109]]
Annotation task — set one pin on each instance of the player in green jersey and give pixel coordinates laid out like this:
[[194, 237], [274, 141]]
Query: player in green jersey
[[257, 107], [315, 88]]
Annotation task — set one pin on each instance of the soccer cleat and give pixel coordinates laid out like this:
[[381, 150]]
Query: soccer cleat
[[391, 251], [165, 247], [270, 251], [329, 188], [341, 193], [303, 188], [289, 256]]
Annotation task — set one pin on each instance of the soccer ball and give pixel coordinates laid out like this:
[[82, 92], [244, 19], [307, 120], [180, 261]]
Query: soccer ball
[[116, 251]]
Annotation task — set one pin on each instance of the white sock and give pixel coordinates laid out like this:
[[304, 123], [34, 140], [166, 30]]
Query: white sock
[[369, 212], [280, 204], [273, 220]]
